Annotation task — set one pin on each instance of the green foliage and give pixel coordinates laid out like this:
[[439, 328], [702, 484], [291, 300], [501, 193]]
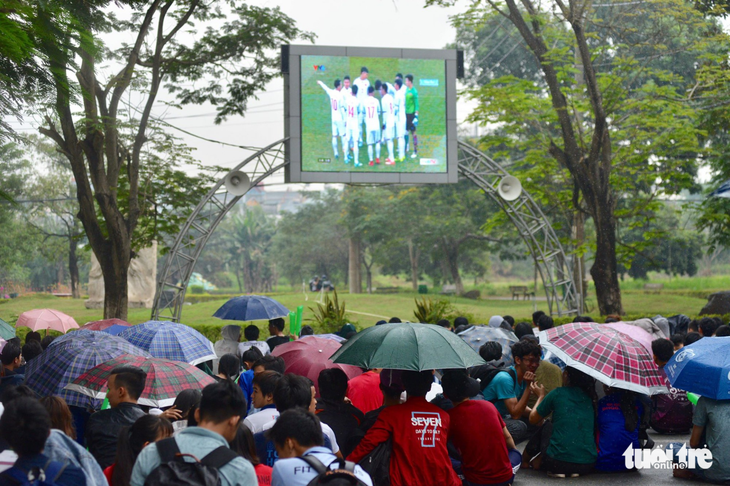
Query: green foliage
[[196, 289], [430, 311], [247, 237], [330, 316]]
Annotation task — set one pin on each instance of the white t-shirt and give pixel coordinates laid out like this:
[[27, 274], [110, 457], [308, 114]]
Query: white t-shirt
[[326, 430], [362, 88], [353, 112], [256, 421], [388, 106], [263, 347], [400, 102], [336, 103], [372, 118]]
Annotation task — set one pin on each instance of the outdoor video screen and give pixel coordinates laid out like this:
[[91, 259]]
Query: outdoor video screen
[[373, 115]]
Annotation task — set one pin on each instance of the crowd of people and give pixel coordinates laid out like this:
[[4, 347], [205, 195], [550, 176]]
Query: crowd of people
[[259, 425]]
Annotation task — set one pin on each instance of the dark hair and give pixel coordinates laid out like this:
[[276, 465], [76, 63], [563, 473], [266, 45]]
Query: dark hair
[[31, 350], [354, 89], [545, 322], [292, 391], [251, 333], [221, 401], [337, 83], [691, 337], [266, 381], [409, 77], [332, 384], [398, 75], [277, 323], [398, 82], [523, 329], [458, 385], [580, 380], [33, 336], [271, 362], [662, 348], [230, 366], [251, 355], [60, 415], [394, 320], [244, 445], [16, 340], [10, 352], [723, 330], [693, 326], [186, 400], [131, 378], [444, 323], [417, 383], [306, 331], [583, 319], [677, 339], [490, 351], [379, 85], [708, 326], [147, 428], [381, 322], [25, 425], [526, 347], [297, 424], [364, 70], [609, 320], [510, 320], [461, 321], [628, 407], [536, 316], [347, 77], [719, 321], [46, 341], [14, 392], [371, 90]]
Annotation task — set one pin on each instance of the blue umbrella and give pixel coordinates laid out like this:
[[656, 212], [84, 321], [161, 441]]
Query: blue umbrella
[[170, 340], [115, 330], [703, 368], [251, 308]]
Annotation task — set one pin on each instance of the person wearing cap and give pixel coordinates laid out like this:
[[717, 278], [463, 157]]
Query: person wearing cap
[[347, 331], [479, 433]]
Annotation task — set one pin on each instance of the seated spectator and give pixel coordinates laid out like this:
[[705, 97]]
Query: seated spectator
[[244, 446], [723, 331], [461, 321], [663, 350], [252, 333], [419, 432], [391, 389], [618, 421], [184, 407], [245, 381], [221, 408], [264, 385], [671, 412], [306, 331], [692, 337], [276, 329], [229, 368], [33, 336], [545, 322], [146, 430], [491, 352], [523, 329], [571, 447], [693, 326], [445, 323], [678, 341], [364, 391], [547, 374], [125, 384], [510, 321], [297, 436], [31, 350], [46, 341], [269, 362], [396, 320], [347, 331], [708, 326], [230, 335], [25, 425], [61, 418], [498, 322], [536, 317], [712, 427], [333, 410], [11, 359], [478, 432], [583, 319]]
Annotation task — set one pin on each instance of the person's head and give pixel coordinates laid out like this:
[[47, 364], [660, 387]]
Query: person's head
[[11, 356], [523, 329], [222, 406], [251, 356], [444, 323], [229, 366], [295, 432], [461, 321], [409, 80], [459, 386], [251, 333], [545, 322], [663, 350], [491, 351], [383, 89], [338, 84], [231, 332], [417, 383], [378, 84], [391, 385], [693, 326], [526, 353], [186, 401], [14, 392], [292, 391], [364, 73], [678, 341], [381, 322], [583, 319], [691, 337], [333, 384], [578, 379], [346, 84], [33, 336], [126, 384], [398, 83], [31, 350], [536, 317], [306, 331], [60, 415], [269, 362], [371, 91], [708, 326], [276, 326], [719, 321], [354, 90], [394, 320], [146, 430], [25, 425], [264, 385], [722, 331], [46, 341], [244, 445], [613, 318]]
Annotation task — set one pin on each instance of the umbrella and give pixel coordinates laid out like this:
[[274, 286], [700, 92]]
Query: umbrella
[[170, 340], [407, 346], [115, 330], [307, 357], [476, 336], [6, 330], [611, 357], [67, 358], [702, 368], [38, 319], [333, 337], [251, 308], [635, 332], [165, 379], [104, 324]]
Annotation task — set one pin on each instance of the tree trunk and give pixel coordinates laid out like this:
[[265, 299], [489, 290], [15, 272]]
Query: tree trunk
[[451, 251], [114, 267], [414, 254], [73, 268], [355, 277], [59, 274], [605, 267], [247, 274], [579, 264]]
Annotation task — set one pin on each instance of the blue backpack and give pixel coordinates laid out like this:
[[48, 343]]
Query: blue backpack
[[46, 476]]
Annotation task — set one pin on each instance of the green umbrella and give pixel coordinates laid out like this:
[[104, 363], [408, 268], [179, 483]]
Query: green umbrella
[[6, 330], [407, 346]]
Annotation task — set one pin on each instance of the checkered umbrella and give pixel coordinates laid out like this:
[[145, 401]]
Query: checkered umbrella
[[609, 356], [69, 357], [170, 340], [165, 379], [476, 336]]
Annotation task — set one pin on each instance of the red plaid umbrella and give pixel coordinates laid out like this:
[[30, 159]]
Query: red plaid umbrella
[[104, 324], [608, 355], [308, 357], [165, 379]]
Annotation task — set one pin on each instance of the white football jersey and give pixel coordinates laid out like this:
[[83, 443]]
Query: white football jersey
[[372, 116], [362, 88], [336, 102], [388, 109], [400, 102], [353, 111]]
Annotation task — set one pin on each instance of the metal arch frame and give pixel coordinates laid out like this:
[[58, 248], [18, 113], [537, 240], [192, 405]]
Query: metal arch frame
[[533, 226], [525, 214], [202, 222]]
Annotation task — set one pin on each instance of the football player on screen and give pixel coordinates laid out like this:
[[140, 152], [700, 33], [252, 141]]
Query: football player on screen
[[337, 107], [354, 111], [362, 84], [372, 124], [388, 107], [411, 96], [400, 118]]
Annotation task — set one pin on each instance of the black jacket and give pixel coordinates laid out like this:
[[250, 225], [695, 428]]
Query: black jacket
[[103, 428], [342, 417]]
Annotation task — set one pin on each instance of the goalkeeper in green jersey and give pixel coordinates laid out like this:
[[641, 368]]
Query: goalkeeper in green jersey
[[411, 113]]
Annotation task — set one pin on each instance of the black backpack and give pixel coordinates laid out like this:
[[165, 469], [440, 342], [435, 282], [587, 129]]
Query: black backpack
[[175, 471], [377, 463], [484, 374], [344, 474]]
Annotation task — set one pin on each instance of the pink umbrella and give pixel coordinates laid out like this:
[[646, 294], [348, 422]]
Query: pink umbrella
[[308, 357], [38, 319], [104, 324], [640, 335]]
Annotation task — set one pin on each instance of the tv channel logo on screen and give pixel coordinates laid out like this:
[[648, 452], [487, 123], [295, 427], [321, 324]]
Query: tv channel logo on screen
[[319, 68]]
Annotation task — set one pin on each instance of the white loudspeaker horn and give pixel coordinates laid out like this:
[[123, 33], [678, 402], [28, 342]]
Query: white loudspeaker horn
[[509, 188], [237, 183]]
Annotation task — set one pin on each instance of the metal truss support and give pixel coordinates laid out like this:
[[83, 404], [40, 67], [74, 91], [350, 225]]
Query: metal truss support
[[533, 227]]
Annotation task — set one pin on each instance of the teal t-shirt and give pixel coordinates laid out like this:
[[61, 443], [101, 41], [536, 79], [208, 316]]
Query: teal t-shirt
[[573, 425], [714, 415], [502, 387]]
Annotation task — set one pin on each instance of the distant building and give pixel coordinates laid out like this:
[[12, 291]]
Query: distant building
[[274, 202]]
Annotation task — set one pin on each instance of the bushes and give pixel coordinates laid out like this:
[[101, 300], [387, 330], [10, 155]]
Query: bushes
[[429, 311], [330, 316]]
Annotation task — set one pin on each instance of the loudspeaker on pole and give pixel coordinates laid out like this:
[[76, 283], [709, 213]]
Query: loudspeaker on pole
[[509, 188], [237, 183]]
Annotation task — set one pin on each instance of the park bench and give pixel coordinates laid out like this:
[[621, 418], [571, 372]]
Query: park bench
[[386, 290], [520, 290], [448, 289], [653, 287], [61, 294]]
